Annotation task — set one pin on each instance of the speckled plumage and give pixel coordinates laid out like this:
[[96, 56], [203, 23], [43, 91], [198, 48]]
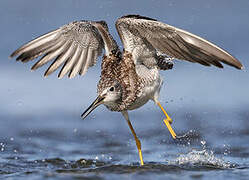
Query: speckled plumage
[[130, 78], [123, 70]]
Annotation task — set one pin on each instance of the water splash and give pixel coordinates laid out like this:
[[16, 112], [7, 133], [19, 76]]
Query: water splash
[[2, 146], [200, 159]]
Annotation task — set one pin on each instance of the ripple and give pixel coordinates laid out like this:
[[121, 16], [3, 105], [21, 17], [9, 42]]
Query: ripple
[[91, 168], [125, 169]]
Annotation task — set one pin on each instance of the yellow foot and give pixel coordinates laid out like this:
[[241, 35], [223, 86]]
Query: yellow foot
[[172, 132], [167, 121], [139, 151], [138, 143]]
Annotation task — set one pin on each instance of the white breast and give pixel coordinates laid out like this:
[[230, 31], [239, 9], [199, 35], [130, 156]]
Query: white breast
[[151, 84]]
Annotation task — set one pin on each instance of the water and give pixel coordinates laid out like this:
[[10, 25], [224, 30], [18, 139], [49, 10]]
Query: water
[[47, 147], [43, 137]]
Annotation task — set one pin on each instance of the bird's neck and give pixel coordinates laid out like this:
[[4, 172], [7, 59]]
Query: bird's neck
[[122, 70]]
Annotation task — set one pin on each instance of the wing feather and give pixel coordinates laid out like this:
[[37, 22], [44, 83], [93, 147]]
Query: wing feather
[[50, 55], [69, 45], [175, 42], [79, 64], [36, 43], [87, 63], [70, 63], [67, 53]]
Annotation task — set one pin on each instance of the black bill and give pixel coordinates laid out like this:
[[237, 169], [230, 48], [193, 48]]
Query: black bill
[[95, 104]]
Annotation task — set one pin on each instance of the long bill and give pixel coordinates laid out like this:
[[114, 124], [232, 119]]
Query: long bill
[[96, 103]]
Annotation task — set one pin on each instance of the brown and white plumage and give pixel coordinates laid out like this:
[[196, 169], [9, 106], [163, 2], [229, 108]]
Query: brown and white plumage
[[76, 46], [129, 79], [139, 34]]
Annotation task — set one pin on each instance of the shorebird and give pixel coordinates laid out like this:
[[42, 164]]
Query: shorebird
[[131, 78]]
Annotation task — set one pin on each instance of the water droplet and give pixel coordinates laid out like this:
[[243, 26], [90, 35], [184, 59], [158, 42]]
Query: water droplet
[[75, 130], [15, 151], [202, 158], [203, 143], [83, 161], [2, 146], [12, 139]]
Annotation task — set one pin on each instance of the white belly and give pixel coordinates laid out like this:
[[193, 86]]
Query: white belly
[[152, 84]]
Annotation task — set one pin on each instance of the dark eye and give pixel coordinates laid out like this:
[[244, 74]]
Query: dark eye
[[112, 89]]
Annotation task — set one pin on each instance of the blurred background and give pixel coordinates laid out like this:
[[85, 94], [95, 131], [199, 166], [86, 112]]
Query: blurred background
[[40, 117]]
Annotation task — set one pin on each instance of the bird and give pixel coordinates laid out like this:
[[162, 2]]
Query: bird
[[129, 78]]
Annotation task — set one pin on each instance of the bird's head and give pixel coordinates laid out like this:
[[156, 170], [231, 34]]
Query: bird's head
[[109, 94]]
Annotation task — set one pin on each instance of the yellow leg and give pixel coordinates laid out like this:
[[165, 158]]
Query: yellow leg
[[167, 121], [138, 143]]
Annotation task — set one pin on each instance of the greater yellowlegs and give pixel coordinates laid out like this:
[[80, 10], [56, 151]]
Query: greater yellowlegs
[[129, 79]]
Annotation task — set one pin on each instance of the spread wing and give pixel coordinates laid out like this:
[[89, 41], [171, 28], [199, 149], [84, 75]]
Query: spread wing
[[76, 46], [142, 34]]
